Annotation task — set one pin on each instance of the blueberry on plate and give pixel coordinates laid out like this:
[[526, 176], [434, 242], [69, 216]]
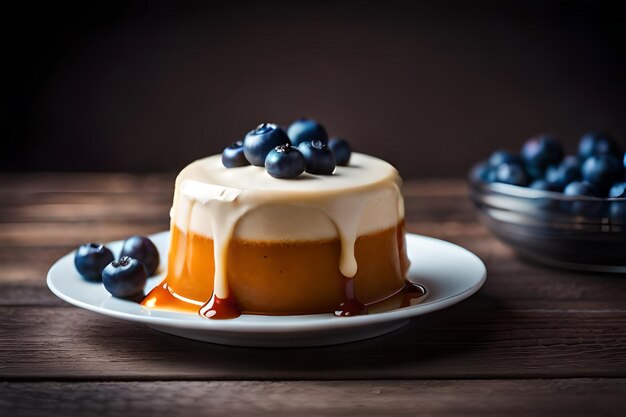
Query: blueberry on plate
[[319, 158], [306, 130], [142, 249], [285, 161], [124, 278], [501, 157], [342, 150], [512, 173], [562, 174], [589, 208], [539, 152], [618, 190], [260, 141], [596, 144], [482, 172], [233, 156], [601, 170], [90, 259]]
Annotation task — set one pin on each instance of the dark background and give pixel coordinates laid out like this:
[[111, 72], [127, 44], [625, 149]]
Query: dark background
[[150, 86]]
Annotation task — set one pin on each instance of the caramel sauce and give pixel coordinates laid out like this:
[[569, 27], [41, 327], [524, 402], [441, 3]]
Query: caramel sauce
[[283, 278], [220, 309], [412, 294], [350, 306], [161, 298]]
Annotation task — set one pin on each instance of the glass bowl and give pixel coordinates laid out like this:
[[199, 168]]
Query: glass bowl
[[581, 233]]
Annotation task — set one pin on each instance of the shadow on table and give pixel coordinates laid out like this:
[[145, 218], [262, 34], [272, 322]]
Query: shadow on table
[[430, 345]]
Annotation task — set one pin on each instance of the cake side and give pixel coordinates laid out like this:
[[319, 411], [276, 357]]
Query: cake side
[[320, 231]]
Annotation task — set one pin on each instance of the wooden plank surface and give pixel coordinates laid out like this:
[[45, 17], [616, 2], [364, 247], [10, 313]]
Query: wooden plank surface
[[527, 322], [476, 339], [577, 397]]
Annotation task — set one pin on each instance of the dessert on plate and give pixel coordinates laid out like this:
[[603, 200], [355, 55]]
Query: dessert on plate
[[284, 224]]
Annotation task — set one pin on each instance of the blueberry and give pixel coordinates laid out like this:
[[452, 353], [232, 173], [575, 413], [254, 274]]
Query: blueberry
[[589, 208], [306, 130], [596, 144], [601, 170], [501, 157], [319, 158], [544, 185], [482, 172], [142, 249], [617, 210], [581, 188], [564, 173], [618, 190], [90, 260], [551, 175], [539, 152], [233, 156], [511, 173], [124, 278], [260, 141], [342, 150], [285, 161]]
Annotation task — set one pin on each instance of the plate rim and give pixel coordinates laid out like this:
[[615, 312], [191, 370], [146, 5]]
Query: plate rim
[[325, 322]]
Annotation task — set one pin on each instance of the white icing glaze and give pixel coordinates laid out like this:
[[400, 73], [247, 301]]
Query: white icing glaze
[[247, 203]]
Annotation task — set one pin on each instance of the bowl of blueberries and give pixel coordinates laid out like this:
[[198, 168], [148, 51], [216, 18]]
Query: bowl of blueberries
[[567, 211]]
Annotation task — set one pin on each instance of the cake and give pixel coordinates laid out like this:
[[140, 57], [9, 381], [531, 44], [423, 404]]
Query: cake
[[242, 241], [252, 232]]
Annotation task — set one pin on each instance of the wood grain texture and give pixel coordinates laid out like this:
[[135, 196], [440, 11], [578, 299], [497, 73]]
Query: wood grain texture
[[577, 397], [478, 338]]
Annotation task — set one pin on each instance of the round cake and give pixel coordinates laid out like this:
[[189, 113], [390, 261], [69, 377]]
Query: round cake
[[243, 241]]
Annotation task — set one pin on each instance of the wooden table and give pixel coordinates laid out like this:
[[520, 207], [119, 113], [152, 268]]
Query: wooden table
[[533, 341]]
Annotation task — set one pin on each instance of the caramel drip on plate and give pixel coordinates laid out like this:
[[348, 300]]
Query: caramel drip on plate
[[412, 294], [220, 308], [350, 306], [162, 297]]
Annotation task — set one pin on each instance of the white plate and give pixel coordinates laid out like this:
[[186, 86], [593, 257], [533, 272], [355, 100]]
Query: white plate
[[449, 273]]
